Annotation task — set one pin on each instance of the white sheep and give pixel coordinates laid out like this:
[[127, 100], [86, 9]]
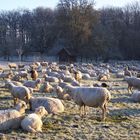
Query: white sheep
[[136, 96], [51, 79], [52, 105], [78, 76], [19, 92], [5, 75], [32, 122], [11, 118], [133, 82], [12, 65], [33, 84], [23, 74], [90, 96], [46, 87]]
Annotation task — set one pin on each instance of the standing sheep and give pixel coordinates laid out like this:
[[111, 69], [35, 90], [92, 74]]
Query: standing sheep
[[32, 122], [133, 82], [90, 96], [11, 118], [19, 92]]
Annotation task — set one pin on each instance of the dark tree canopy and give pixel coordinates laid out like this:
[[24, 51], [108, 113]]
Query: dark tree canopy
[[107, 33]]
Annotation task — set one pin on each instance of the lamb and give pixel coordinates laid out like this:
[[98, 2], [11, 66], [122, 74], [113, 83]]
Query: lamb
[[61, 95], [32, 122], [32, 84], [136, 96], [52, 105], [133, 82], [47, 88], [90, 96], [19, 92], [34, 74], [12, 65], [11, 118]]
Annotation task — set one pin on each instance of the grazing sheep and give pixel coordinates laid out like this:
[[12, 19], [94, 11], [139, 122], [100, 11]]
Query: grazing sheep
[[61, 95], [6, 75], [90, 96], [34, 74], [52, 105], [11, 118], [133, 82], [46, 87], [12, 65], [19, 92], [32, 84], [32, 122], [136, 96]]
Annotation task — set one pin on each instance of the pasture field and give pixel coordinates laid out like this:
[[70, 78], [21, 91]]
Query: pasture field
[[122, 121]]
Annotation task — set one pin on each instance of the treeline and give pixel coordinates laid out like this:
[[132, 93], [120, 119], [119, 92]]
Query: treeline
[[108, 33]]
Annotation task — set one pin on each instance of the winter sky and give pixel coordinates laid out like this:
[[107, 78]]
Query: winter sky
[[31, 4]]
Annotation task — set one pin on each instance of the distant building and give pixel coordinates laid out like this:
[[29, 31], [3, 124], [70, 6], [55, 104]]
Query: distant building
[[64, 54]]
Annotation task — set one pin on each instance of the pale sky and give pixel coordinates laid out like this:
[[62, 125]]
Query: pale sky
[[31, 4]]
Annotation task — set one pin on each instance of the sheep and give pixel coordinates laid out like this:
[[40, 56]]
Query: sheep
[[78, 76], [5, 75], [23, 74], [32, 84], [44, 64], [21, 66], [7, 81], [86, 76], [11, 118], [34, 74], [90, 96], [103, 77], [61, 95], [52, 105], [12, 65], [46, 87], [132, 82], [19, 92], [136, 96], [32, 122], [127, 72], [51, 79]]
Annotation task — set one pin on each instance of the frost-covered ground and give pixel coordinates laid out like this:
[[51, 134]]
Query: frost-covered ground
[[122, 122]]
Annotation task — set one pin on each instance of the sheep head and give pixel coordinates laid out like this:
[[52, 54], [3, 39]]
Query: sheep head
[[21, 106], [41, 111]]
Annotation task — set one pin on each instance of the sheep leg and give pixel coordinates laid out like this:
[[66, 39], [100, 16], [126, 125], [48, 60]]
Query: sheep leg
[[81, 111], [85, 113], [129, 89], [103, 112]]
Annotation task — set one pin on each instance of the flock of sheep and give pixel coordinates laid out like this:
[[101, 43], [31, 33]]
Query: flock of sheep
[[65, 80]]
